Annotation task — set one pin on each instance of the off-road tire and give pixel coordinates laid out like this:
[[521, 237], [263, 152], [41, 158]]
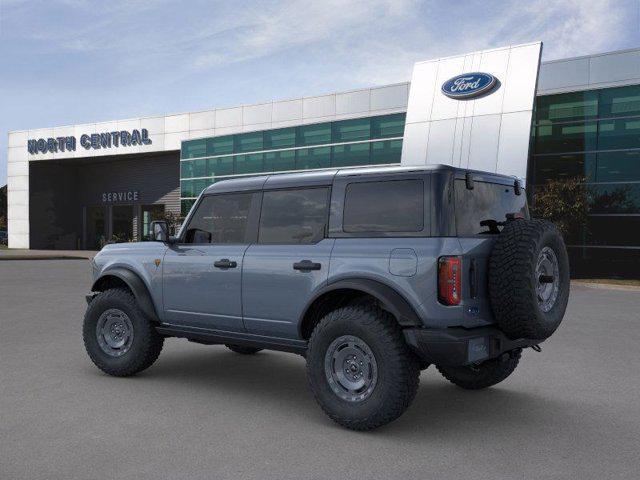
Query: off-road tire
[[513, 282], [146, 344], [398, 370], [487, 374], [242, 349]]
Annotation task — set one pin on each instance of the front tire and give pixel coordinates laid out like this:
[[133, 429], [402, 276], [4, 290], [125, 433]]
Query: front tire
[[360, 370], [487, 374], [118, 337]]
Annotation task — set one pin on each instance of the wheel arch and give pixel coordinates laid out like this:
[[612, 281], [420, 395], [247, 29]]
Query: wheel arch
[[343, 291], [121, 277]]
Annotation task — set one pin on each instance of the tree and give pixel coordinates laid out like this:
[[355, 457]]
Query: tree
[[565, 203]]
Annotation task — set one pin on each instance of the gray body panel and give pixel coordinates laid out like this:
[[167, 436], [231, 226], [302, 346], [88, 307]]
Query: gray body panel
[[264, 297], [198, 294]]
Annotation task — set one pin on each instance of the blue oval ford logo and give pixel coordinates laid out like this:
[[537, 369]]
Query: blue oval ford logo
[[468, 85]]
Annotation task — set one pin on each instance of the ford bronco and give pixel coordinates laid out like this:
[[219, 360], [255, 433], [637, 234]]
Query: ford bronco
[[371, 274]]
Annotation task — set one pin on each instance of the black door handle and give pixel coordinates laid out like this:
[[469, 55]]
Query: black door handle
[[225, 263], [306, 265]]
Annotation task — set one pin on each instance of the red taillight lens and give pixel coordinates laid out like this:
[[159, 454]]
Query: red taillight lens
[[449, 284]]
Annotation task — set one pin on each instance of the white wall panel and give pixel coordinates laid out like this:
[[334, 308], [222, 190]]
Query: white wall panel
[[520, 83], [483, 142], [154, 125], [253, 114], [415, 143], [422, 92], [514, 146], [287, 111], [18, 139], [392, 96], [17, 154], [176, 123], [202, 120], [614, 67], [314, 107], [18, 240], [441, 141], [229, 117], [352, 102], [562, 74], [469, 132], [17, 168]]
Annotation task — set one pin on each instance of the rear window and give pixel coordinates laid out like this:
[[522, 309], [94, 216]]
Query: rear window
[[387, 206], [479, 211]]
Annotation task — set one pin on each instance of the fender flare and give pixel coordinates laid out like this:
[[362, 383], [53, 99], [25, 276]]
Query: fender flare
[[135, 284], [389, 299]]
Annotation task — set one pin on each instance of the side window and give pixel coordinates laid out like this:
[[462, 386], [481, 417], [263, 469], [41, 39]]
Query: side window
[[384, 206], [220, 219], [294, 216]]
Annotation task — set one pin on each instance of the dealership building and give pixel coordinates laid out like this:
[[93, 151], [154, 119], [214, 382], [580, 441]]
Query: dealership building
[[79, 186]]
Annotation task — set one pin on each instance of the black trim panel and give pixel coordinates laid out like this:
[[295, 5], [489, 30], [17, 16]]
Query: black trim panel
[[390, 300], [137, 286], [207, 336]]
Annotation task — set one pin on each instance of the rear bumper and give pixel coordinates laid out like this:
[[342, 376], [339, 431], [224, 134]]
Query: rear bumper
[[455, 347]]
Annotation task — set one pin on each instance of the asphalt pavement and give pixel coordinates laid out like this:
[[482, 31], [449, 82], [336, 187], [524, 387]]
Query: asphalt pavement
[[203, 412]]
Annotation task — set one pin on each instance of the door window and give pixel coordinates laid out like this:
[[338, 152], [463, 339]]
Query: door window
[[293, 217], [220, 219]]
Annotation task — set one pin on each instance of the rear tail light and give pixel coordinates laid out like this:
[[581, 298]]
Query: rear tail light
[[449, 283]]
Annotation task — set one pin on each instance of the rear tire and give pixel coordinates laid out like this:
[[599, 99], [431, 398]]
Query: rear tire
[[242, 349], [118, 337], [487, 374], [360, 370]]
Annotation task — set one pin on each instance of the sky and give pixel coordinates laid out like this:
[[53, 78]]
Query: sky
[[65, 62]]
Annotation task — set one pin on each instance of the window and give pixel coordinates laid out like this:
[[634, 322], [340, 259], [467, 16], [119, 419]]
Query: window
[[248, 142], [251, 163], [389, 206], [388, 151], [313, 134], [387, 126], [280, 161], [307, 158], [280, 138], [220, 219], [350, 155], [294, 216], [486, 202], [220, 145], [352, 130], [194, 148], [220, 166]]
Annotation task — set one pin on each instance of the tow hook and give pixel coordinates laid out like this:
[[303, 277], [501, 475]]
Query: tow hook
[[536, 348]]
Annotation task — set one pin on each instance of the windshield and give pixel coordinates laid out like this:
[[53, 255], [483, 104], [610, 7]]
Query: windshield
[[483, 210]]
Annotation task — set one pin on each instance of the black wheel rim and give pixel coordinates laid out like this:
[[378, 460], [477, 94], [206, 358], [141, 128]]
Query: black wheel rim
[[114, 332], [351, 368]]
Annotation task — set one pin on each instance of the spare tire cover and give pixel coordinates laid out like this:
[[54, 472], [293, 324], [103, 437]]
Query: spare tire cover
[[529, 279]]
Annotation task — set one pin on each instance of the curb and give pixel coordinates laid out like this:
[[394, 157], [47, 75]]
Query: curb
[[8, 258], [607, 286]]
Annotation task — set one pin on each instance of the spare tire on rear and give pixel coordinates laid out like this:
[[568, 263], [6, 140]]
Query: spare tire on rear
[[529, 279]]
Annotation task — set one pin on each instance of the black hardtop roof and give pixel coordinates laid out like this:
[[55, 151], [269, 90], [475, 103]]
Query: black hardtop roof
[[326, 177]]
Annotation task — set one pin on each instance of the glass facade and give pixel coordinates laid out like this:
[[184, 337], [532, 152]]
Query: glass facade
[[362, 141], [594, 136]]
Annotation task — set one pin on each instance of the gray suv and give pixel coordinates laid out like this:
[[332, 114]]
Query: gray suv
[[372, 274]]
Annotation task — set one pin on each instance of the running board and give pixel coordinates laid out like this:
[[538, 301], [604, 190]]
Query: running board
[[211, 337]]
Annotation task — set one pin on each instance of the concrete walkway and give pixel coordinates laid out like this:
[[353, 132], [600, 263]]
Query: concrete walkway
[[23, 254]]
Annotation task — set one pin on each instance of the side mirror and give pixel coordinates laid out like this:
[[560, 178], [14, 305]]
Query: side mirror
[[159, 231]]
